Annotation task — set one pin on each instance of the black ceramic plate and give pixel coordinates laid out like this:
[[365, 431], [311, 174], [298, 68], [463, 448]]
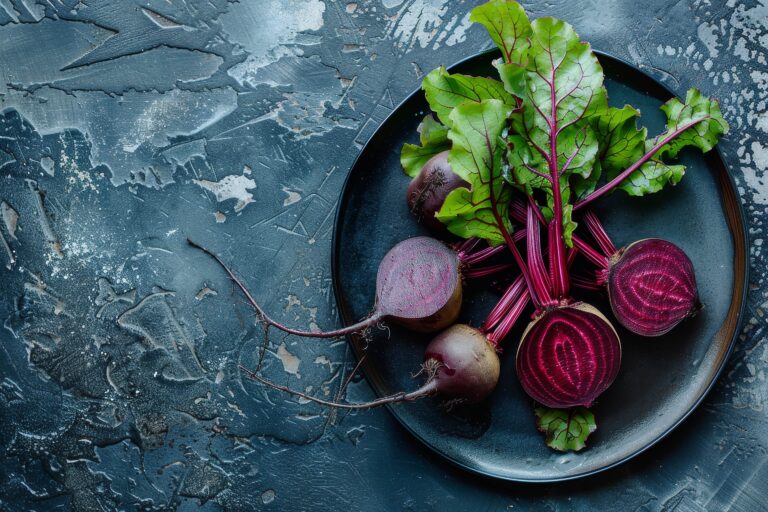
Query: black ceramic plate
[[661, 381]]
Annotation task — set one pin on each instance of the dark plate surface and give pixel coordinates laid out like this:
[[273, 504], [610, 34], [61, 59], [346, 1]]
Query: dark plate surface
[[661, 381]]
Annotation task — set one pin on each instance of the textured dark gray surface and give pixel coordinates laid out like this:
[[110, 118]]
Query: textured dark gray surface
[[140, 123]]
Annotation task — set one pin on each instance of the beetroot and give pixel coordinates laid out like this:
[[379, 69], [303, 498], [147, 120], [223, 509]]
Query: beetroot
[[652, 287], [459, 362], [464, 363], [568, 356], [418, 285], [651, 283], [429, 189], [570, 353]]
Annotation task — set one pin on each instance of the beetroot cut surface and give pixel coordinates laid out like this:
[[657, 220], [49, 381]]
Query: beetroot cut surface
[[652, 287], [568, 357], [418, 284]]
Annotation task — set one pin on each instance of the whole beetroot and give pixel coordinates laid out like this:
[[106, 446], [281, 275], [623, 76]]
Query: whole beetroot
[[460, 362], [428, 190], [464, 363]]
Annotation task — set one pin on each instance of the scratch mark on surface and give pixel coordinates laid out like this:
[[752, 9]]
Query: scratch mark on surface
[[293, 197], [45, 224], [205, 292], [42, 290], [107, 295], [163, 21], [260, 119]]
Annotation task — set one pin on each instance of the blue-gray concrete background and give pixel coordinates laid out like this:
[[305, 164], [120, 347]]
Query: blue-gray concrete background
[[127, 126]]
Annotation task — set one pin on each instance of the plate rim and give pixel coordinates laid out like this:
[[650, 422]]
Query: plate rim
[[740, 236]]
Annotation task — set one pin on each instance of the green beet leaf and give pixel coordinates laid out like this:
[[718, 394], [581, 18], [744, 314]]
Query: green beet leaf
[[698, 122], [433, 137], [432, 131], [563, 92], [526, 168], [652, 177], [475, 156], [621, 142], [582, 186], [565, 429], [564, 88], [512, 76], [445, 91], [509, 27]]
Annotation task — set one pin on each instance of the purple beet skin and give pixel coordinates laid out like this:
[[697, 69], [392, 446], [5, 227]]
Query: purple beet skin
[[464, 363], [568, 356], [428, 190], [652, 287]]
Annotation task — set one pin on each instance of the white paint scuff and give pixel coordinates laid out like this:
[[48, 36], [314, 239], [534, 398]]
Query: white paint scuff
[[290, 361], [48, 165], [268, 38], [708, 35], [293, 197], [741, 84], [230, 187], [417, 23], [744, 35]]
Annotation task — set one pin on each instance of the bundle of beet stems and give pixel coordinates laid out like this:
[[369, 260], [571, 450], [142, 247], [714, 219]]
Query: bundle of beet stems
[[510, 166]]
